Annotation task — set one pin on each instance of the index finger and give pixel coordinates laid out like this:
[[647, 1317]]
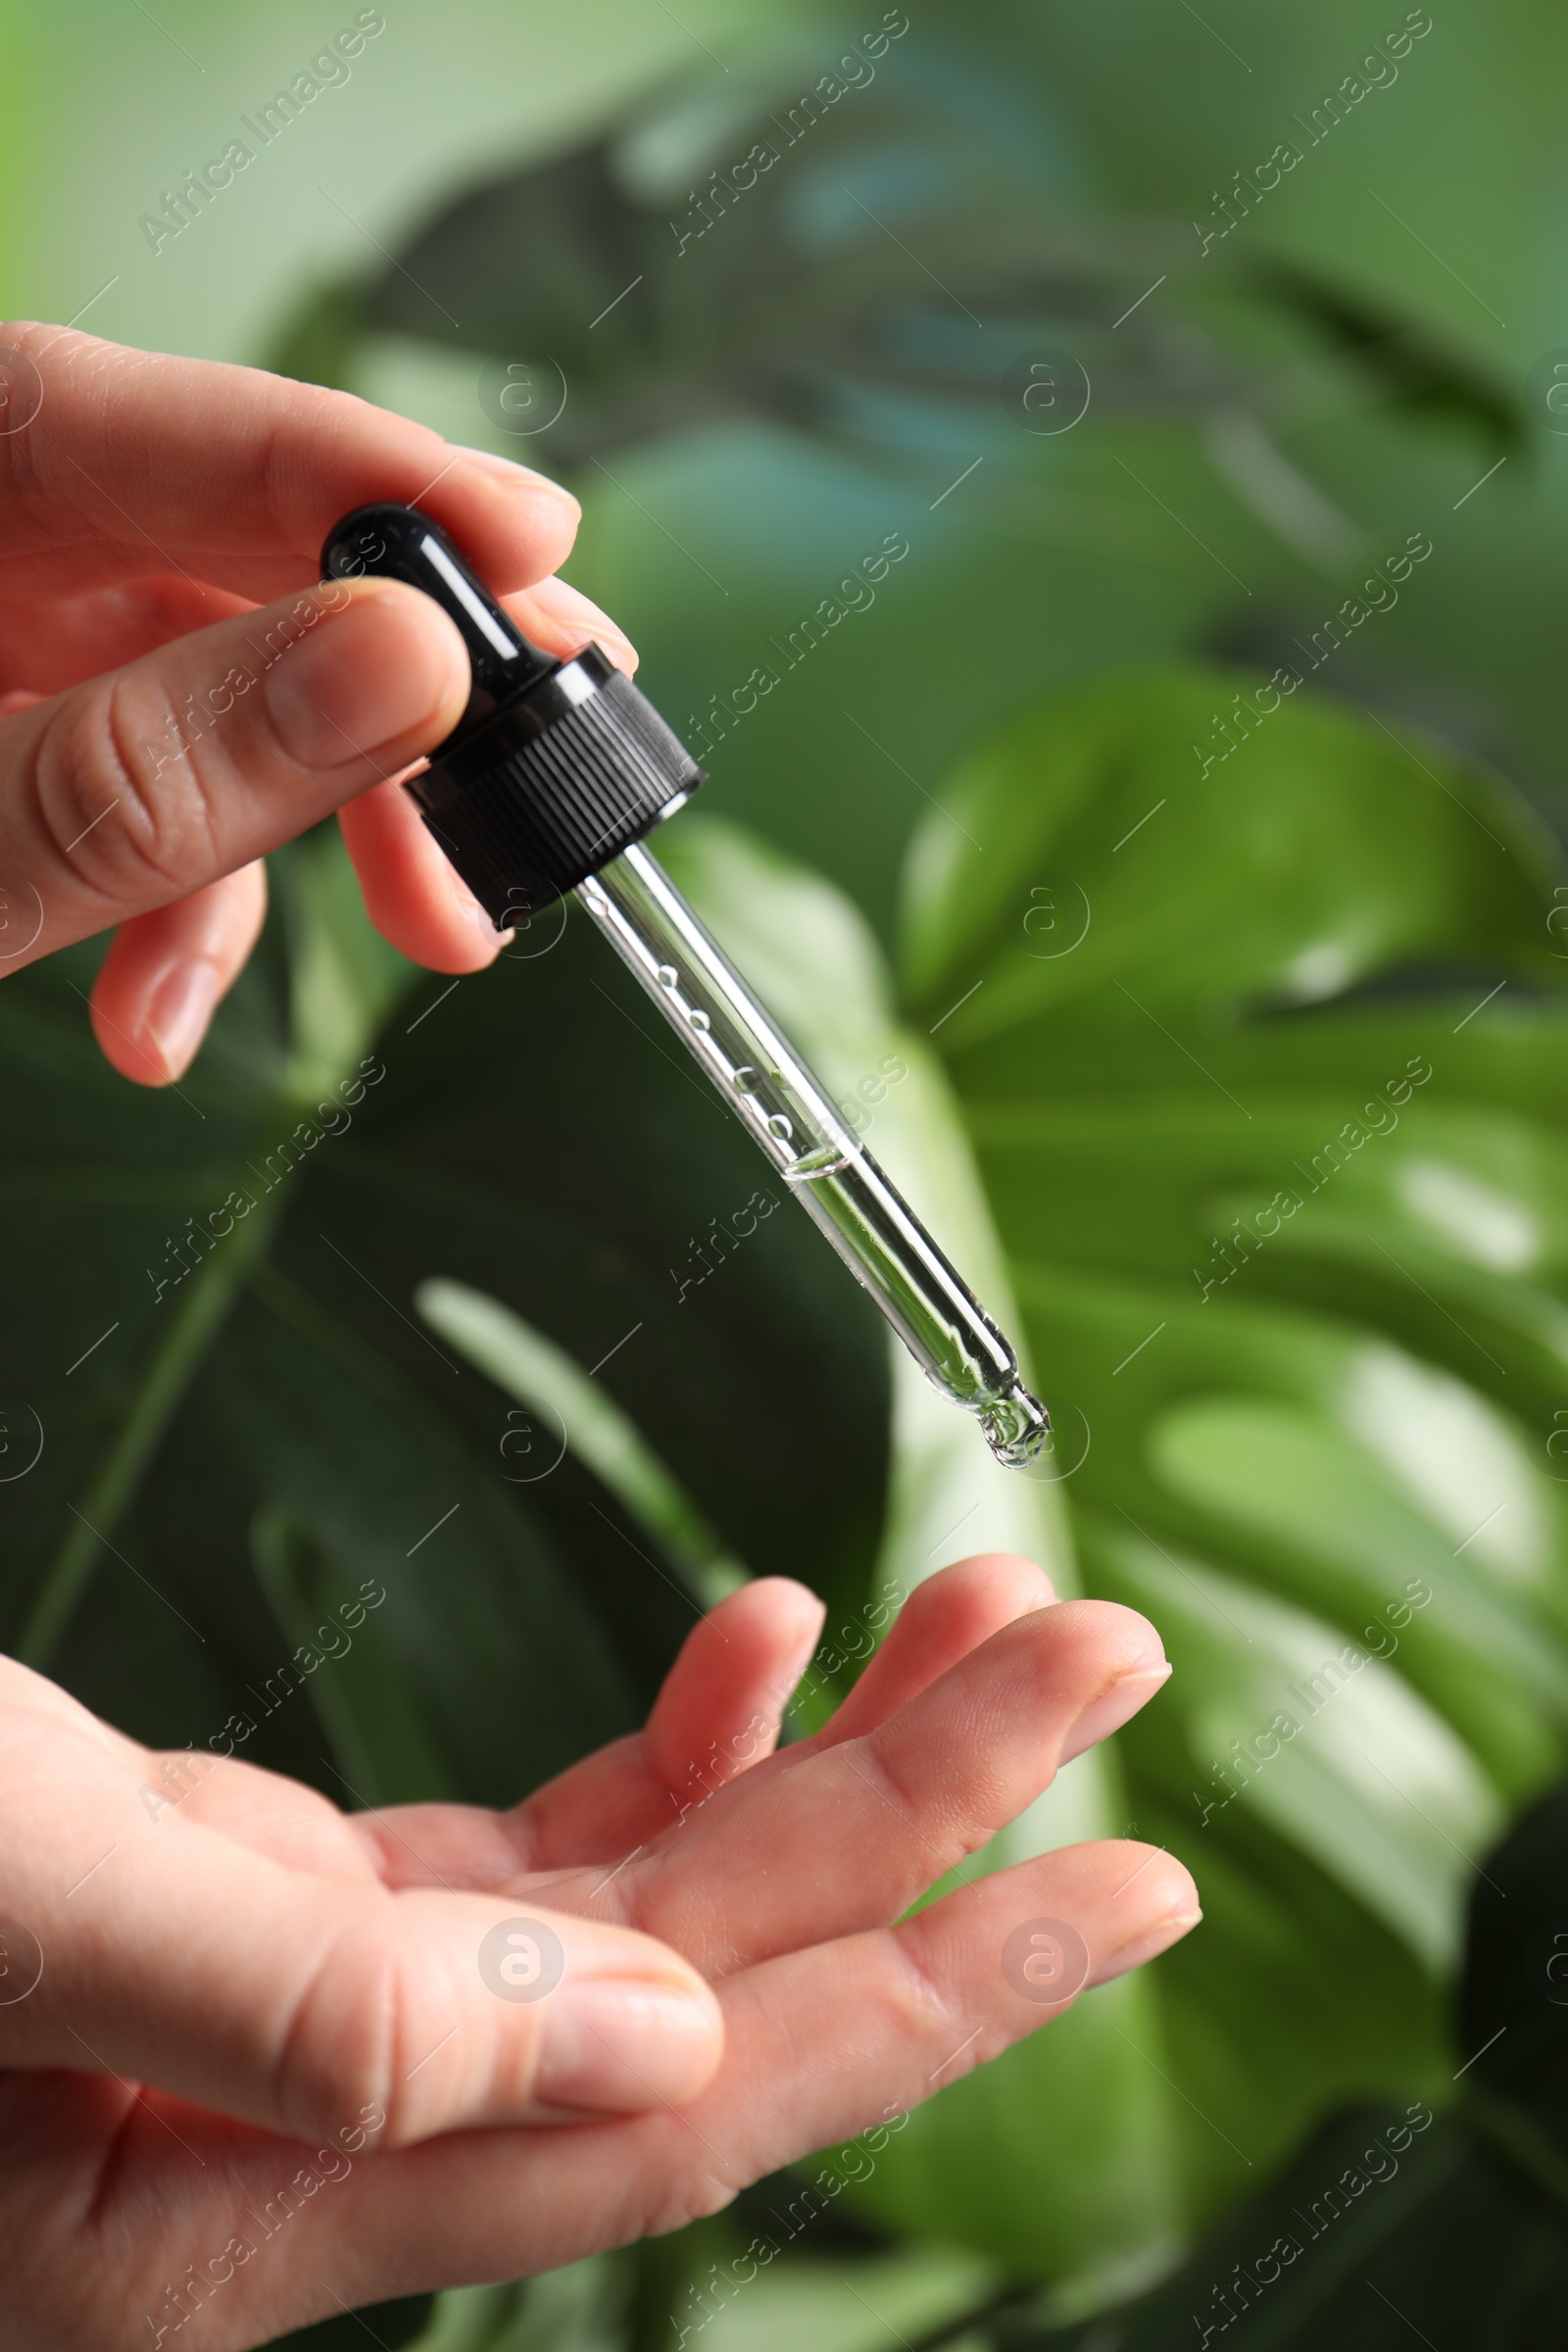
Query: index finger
[[116, 463]]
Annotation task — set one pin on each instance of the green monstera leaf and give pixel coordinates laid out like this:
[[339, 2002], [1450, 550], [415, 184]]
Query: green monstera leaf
[[1256, 1050]]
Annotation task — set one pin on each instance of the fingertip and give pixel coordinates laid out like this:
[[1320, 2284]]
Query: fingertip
[[1153, 1905], [134, 1058], [721, 1705], [1130, 1641], [1118, 1701], [513, 476], [1007, 1577], [178, 1014], [589, 2017], [1176, 1889], [783, 1598], [415, 899], [769, 1626], [530, 521], [968, 1601], [167, 972], [621, 2048], [561, 619]]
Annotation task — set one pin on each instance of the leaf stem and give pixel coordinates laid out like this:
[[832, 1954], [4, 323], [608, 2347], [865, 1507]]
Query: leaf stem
[[991, 2307], [167, 1376]]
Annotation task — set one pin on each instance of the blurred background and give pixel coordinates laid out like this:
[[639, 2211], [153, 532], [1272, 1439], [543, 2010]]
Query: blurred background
[[1089, 483]]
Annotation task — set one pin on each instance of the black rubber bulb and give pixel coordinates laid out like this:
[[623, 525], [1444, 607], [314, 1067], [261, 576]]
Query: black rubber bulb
[[397, 543], [554, 768]]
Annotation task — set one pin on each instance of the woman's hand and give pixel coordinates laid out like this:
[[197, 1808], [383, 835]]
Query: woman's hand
[[178, 694], [262, 2061]]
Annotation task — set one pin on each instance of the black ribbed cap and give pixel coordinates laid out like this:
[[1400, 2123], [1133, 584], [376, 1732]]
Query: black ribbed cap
[[554, 766]]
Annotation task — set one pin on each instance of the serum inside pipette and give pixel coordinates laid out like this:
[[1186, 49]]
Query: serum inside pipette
[[796, 1123]]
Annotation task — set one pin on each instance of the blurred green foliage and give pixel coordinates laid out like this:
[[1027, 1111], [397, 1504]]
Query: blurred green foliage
[[1161, 958]]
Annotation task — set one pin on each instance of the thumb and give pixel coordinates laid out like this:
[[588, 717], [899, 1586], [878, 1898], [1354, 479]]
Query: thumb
[[139, 787], [305, 2003]]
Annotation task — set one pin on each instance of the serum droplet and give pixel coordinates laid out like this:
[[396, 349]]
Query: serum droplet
[[1017, 1428]]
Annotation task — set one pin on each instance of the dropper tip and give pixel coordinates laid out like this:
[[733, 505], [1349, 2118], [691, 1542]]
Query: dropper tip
[[1018, 1427]]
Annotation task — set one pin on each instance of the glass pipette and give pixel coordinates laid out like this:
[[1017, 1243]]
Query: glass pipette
[[546, 787]]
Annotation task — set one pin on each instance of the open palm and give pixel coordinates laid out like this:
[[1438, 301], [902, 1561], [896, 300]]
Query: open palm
[[264, 2060]]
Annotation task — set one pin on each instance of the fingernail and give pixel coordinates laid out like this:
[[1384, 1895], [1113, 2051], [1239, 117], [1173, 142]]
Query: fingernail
[[1147, 1945], [616, 2045], [1113, 1706], [176, 1017], [378, 675], [572, 610]]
